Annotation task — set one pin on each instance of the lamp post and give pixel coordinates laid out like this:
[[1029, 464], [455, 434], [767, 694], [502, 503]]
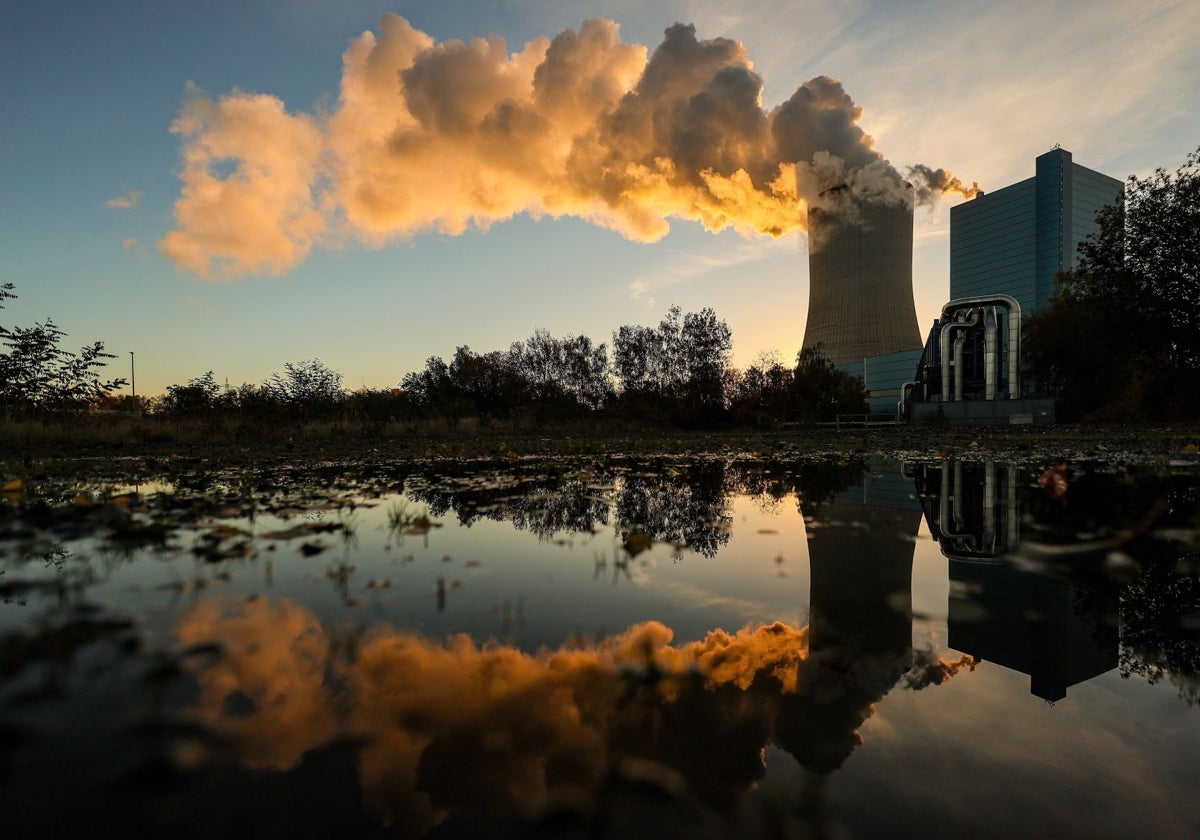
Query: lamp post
[[133, 382]]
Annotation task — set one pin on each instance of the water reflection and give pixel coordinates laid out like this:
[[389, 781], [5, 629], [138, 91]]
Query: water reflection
[[454, 726], [354, 674], [1058, 611], [680, 502]]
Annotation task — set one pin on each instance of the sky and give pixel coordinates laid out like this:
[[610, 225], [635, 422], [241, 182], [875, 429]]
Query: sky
[[232, 185]]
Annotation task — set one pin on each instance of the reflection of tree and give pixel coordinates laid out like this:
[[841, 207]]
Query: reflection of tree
[[543, 506], [668, 501], [1159, 633], [687, 505], [814, 482]]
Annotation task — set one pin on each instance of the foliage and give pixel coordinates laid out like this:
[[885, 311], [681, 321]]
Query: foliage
[[485, 386], [376, 407], [821, 390], [1121, 338], [563, 375], [678, 368], [200, 395], [36, 374], [309, 385], [763, 393]]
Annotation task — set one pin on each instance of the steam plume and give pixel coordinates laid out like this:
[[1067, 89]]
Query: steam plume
[[930, 184], [442, 137]]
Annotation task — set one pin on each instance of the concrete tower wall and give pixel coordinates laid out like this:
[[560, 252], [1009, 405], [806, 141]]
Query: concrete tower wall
[[860, 298]]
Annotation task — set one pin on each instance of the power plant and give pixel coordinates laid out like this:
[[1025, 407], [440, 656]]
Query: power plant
[[1006, 248], [860, 300]]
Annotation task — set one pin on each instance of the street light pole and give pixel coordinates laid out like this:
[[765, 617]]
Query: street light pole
[[133, 381]]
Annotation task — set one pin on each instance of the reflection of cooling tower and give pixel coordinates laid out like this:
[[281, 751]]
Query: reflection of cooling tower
[[860, 299]]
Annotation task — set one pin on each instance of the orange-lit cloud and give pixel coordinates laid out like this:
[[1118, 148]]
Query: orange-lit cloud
[[132, 246], [491, 729], [444, 137], [261, 216], [125, 202]]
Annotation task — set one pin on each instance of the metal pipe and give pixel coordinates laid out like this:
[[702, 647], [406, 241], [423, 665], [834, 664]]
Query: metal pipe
[[989, 507], [902, 406], [1013, 309], [944, 348], [956, 502], [989, 353], [949, 358], [944, 499], [958, 365]]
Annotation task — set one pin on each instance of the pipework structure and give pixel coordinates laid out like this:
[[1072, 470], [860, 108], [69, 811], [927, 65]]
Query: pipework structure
[[860, 300], [973, 352], [970, 368]]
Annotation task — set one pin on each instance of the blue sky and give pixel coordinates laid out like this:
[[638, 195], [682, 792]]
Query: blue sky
[[90, 91]]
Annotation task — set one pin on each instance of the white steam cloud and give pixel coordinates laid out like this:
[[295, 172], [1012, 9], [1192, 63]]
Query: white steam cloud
[[443, 137]]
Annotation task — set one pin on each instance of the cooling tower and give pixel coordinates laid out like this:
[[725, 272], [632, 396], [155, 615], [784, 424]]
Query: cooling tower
[[860, 299]]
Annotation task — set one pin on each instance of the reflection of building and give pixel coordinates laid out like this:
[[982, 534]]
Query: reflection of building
[[1031, 623], [970, 507], [1046, 628], [860, 616]]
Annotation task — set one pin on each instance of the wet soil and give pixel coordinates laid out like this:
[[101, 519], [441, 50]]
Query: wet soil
[[1117, 444]]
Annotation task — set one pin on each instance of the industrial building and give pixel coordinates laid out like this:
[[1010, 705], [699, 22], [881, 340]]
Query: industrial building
[[1013, 241], [1006, 247], [860, 300]]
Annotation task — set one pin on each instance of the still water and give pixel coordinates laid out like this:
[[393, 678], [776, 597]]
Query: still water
[[676, 647]]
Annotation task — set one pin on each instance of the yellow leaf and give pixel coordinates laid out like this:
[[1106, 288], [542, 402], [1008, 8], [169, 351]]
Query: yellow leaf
[[14, 486], [83, 500]]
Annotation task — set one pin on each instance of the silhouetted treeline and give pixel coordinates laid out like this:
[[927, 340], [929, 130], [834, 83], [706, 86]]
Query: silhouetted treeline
[[677, 373]]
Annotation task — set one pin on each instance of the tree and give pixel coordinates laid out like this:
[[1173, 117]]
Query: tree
[[199, 396], [566, 374], [822, 390], [309, 386], [763, 392], [36, 374], [704, 347], [679, 367], [1129, 312]]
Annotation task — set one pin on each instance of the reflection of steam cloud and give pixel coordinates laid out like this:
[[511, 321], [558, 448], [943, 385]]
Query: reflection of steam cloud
[[487, 729], [445, 136]]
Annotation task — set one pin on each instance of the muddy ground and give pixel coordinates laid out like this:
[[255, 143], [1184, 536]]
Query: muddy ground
[[1176, 445]]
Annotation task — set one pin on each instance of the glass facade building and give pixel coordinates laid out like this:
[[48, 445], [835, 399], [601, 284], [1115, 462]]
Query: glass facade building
[[1013, 241]]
